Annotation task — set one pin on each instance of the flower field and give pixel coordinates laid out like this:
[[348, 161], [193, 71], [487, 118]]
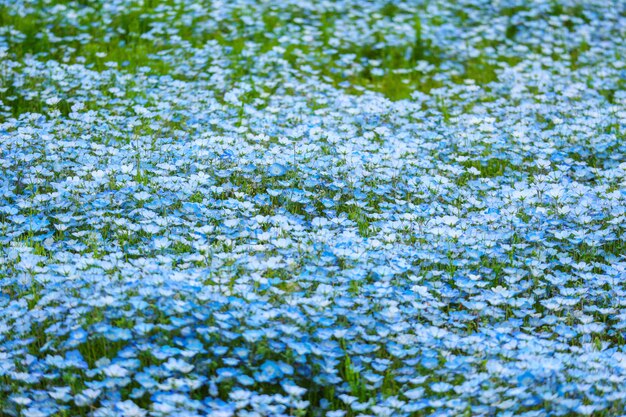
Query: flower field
[[345, 208]]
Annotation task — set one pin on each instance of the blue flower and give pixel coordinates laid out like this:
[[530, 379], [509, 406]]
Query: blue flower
[[276, 170]]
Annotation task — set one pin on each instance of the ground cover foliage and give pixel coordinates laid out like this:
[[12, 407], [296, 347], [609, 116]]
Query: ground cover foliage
[[312, 208]]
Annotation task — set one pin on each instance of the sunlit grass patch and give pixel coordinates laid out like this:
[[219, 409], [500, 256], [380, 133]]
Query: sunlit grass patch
[[117, 40]]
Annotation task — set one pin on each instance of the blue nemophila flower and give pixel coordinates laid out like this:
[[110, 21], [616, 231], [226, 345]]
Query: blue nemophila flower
[[86, 397], [142, 196], [277, 170], [268, 372], [61, 394], [178, 365], [452, 240], [130, 409], [293, 390]]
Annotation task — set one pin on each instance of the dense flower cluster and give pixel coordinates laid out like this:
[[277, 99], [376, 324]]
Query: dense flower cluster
[[324, 208]]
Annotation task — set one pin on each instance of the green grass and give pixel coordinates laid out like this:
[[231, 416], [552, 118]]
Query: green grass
[[119, 38]]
